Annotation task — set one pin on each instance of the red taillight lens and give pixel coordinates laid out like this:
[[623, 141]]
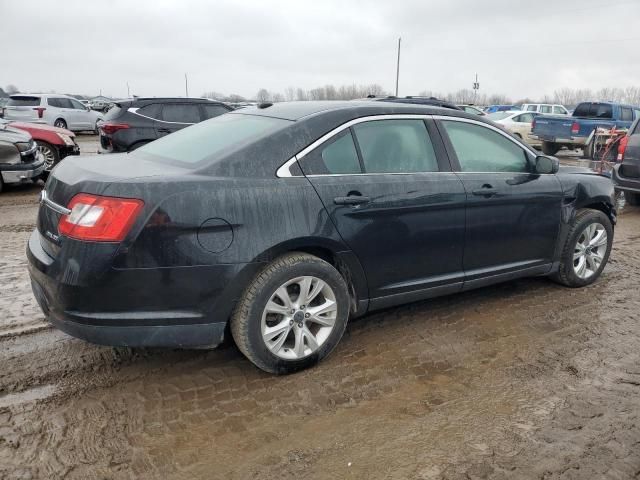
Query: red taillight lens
[[110, 128], [99, 219], [40, 111], [575, 128], [622, 146]]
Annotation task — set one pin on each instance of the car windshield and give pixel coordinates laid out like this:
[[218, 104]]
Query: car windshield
[[495, 116], [208, 141]]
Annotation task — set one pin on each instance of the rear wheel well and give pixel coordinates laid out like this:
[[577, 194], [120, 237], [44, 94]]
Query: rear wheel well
[[328, 256]]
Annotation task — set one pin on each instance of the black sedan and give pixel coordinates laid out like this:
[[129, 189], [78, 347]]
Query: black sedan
[[284, 221]]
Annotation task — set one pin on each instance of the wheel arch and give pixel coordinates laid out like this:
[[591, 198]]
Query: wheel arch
[[336, 254]]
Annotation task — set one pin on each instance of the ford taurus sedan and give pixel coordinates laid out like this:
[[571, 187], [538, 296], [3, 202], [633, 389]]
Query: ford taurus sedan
[[283, 221]]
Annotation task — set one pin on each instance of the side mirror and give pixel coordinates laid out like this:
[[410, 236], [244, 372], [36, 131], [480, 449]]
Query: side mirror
[[545, 164]]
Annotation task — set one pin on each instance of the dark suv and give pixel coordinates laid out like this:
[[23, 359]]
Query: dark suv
[[129, 124]]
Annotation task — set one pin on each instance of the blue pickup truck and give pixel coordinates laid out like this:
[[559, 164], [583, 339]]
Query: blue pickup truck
[[576, 131]]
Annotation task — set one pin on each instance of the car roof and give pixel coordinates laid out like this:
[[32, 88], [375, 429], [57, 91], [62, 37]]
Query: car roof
[[304, 109], [43, 95]]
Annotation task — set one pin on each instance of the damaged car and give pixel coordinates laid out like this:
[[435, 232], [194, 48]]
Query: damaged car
[[276, 224]]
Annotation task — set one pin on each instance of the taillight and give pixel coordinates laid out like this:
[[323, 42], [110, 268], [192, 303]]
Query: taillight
[[575, 128], [99, 219], [622, 146], [110, 128], [40, 111]]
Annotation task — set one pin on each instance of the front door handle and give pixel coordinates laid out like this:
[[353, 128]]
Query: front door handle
[[485, 191], [351, 200]]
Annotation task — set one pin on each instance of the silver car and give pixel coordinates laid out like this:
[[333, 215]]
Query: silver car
[[60, 111]]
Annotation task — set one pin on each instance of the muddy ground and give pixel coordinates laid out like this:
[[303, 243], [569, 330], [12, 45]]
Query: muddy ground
[[522, 380]]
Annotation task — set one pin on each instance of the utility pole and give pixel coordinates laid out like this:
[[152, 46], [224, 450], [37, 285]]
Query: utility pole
[[398, 66], [476, 87], [186, 86]]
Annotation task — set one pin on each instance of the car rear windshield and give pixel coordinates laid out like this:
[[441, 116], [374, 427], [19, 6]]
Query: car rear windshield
[[23, 102], [113, 112], [594, 110], [208, 141]]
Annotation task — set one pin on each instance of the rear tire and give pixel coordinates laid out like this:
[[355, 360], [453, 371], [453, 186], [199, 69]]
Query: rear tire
[[586, 251], [268, 305], [550, 148], [632, 198], [60, 123]]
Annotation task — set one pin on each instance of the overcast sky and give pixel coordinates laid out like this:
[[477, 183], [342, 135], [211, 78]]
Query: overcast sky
[[234, 46]]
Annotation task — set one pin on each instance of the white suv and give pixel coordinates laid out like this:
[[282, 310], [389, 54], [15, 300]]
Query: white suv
[[545, 108], [58, 110]]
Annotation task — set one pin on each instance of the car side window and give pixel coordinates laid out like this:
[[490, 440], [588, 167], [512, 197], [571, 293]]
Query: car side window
[[181, 113], [336, 156], [532, 108], [525, 118], [211, 111], [559, 110], [626, 114], [152, 111], [480, 149], [395, 146], [77, 105], [545, 108]]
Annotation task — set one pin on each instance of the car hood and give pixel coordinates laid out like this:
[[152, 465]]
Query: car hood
[[13, 135], [41, 127]]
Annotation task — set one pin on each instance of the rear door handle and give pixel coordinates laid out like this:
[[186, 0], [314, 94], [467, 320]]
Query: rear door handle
[[486, 190], [351, 200]]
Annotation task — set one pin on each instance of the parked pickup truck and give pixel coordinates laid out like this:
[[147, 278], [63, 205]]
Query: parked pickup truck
[[575, 131]]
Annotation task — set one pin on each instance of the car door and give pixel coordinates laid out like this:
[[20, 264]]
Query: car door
[[513, 213], [522, 125], [176, 116], [83, 117], [61, 109], [390, 192]]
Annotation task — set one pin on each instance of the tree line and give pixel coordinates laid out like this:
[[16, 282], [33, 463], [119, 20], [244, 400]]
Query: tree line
[[565, 96]]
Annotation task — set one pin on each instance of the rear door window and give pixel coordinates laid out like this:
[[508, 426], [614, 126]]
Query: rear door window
[[532, 108], [545, 108], [481, 149], [337, 156], [152, 111], [181, 113], [395, 146], [23, 101], [210, 111], [559, 110]]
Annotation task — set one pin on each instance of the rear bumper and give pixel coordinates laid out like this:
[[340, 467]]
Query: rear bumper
[[622, 183], [577, 141], [182, 307]]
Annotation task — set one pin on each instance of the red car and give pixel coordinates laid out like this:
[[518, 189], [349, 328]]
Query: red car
[[54, 143]]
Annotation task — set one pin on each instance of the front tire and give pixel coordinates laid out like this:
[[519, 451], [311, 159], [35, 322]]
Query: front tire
[[50, 154], [292, 315], [586, 249]]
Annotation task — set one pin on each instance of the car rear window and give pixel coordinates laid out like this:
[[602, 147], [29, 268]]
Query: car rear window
[[207, 141], [23, 101], [114, 112], [594, 110]]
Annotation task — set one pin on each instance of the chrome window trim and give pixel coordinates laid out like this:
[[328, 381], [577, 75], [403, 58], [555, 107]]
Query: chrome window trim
[[44, 199], [284, 172]]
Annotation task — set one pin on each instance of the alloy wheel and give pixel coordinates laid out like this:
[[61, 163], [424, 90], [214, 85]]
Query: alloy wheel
[[299, 317], [590, 250], [49, 156]]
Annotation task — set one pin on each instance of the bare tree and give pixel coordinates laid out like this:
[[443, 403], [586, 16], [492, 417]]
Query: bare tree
[[277, 97], [214, 95], [263, 95], [301, 94], [11, 89], [290, 94]]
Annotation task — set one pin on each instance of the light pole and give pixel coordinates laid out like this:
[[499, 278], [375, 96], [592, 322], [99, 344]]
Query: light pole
[[186, 86], [398, 66], [476, 87], [128, 96]]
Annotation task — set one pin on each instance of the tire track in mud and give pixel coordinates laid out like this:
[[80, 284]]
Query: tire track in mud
[[522, 380]]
